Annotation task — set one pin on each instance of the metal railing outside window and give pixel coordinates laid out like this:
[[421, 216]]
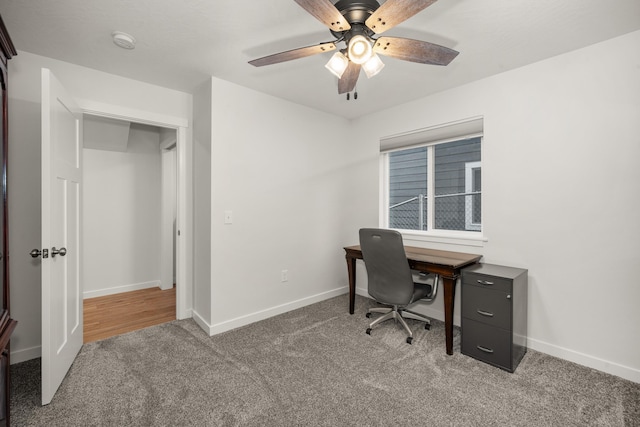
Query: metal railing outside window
[[459, 211]]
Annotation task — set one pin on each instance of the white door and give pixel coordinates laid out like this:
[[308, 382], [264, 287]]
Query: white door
[[61, 220]]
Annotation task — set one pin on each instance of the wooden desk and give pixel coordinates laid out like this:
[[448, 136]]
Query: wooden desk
[[444, 263]]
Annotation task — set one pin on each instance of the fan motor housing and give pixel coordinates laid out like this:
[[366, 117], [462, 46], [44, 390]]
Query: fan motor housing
[[355, 11]]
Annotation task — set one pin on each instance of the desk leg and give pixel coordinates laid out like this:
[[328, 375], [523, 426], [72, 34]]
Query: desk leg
[[449, 298], [351, 268]]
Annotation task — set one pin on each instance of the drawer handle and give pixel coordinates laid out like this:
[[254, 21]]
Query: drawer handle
[[484, 282], [485, 349], [485, 313]]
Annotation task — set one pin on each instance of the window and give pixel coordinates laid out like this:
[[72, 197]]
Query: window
[[473, 190], [433, 183]]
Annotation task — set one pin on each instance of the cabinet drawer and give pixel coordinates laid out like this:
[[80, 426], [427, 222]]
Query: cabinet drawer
[[486, 343], [486, 306], [490, 282]]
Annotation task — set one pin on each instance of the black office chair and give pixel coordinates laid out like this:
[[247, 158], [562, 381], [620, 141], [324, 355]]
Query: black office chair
[[391, 281]]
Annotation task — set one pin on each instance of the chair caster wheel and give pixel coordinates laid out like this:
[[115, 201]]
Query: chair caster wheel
[[368, 331], [368, 315], [427, 326], [409, 340]]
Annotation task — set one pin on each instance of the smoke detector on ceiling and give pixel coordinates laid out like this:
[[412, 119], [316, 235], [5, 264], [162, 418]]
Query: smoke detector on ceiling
[[123, 40]]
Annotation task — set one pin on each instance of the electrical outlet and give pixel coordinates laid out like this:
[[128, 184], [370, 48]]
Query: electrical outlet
[[284, 276]]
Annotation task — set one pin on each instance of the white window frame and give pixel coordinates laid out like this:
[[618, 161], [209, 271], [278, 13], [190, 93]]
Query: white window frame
[[430, 137], [469, 167]]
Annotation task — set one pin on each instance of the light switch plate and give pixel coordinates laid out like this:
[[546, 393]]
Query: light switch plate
[[228, 217]]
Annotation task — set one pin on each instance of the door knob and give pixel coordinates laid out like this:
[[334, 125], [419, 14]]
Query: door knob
[[35, 253], [61, 252]]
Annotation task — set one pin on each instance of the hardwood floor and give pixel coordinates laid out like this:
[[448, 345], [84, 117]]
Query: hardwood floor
[[117, 314]]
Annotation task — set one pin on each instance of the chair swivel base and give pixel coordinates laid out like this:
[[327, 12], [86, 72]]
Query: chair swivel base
[[398, 314]]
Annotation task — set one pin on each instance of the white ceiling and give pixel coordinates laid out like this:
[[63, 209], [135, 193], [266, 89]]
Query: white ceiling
[[181, 43]]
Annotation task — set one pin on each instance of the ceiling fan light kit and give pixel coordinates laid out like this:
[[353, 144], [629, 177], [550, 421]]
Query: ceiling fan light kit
[[337, 64], [359, 50], [358, 23], [373, 66]]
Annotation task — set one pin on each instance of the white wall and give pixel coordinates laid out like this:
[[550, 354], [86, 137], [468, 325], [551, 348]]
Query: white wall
[[89, 86], [122, 210], [283, 170], [560, 192], [202, 204]]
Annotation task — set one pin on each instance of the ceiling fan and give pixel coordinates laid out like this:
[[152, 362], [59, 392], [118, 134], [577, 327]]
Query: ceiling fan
[[358, 23]]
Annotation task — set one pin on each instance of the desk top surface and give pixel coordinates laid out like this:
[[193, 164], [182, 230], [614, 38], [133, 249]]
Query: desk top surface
[[431, 256]]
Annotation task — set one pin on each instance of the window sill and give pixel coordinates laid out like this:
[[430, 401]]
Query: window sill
[[446, 237]]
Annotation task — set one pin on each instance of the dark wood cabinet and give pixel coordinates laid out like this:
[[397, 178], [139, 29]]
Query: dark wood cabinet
[[494, 314], [7, 325]]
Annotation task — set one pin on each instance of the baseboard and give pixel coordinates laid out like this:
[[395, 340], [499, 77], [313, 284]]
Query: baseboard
[[200, 321], [121, 289], [265, 314], [186, 315], [363, 292], [596, 363], [25, 354]]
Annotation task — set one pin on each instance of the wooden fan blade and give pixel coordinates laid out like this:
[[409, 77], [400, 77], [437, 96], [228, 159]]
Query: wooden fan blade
[[293, 54], [325, 12], [414, 50], [349, 79], [393, 12]]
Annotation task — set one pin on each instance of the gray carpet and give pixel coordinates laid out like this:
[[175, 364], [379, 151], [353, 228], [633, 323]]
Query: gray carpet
[[314, 367]]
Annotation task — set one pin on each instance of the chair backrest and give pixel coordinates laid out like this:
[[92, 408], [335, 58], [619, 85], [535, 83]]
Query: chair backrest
[[389, 277]]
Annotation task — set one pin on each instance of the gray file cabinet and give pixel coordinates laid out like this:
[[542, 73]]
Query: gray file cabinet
[[494, 314]]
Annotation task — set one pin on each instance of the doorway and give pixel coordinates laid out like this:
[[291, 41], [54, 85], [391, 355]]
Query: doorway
[[173, 141], [129, 225]]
